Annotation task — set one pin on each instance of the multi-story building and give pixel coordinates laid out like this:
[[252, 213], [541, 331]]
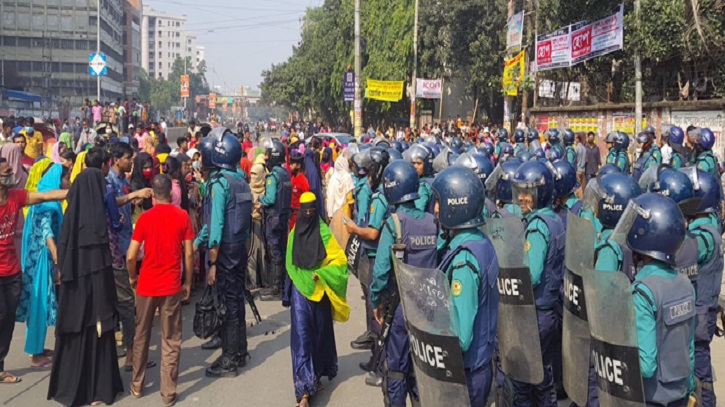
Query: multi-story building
[[165, 38], [131, 45], [45, 45]]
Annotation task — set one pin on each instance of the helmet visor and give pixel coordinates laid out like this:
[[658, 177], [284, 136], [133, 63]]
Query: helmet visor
[[493, 178], [526, 196], [691, 173], [441, 161], [694, 136], [649, 178], [624, 226], [534, 145], [593, 194]]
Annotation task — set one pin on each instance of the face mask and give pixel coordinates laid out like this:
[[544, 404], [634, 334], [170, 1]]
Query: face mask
[[147, 174], [188, 177], [8, 181], [196, 165], [29, 129]]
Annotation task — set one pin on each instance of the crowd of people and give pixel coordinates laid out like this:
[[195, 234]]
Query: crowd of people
[[100, 233]]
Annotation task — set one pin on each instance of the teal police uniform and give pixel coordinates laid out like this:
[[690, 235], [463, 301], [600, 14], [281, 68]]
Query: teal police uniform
[[622, 162], [425, 196], [611, 156], [585, 212], [219, 197], [519, 147], [571, 155], [706, 162]]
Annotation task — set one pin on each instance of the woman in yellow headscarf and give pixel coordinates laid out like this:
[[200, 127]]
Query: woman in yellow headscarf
[[79, 165], [34, 176]]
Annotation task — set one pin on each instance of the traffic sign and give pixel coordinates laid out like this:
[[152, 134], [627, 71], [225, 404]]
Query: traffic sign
[[349, 86], [97, 64]]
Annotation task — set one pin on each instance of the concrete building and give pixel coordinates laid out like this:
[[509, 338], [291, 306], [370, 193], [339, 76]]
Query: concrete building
[[45, 45], [131, 45], [165, 38]]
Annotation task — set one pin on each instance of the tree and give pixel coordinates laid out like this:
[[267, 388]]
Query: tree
[[164, 93]]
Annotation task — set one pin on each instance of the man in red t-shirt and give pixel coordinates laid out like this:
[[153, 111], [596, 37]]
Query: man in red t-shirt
[[11, 279], [300, 185], [166, 233]]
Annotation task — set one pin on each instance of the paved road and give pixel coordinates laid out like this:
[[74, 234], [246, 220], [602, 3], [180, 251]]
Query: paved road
[[267, 379]]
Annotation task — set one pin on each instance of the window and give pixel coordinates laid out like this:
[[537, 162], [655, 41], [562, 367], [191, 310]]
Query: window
[[160, 54], [160, 65], [160, 44]]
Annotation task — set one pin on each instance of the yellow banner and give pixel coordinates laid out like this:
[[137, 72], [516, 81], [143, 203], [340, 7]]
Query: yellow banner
[[388, 91], [513, 73]]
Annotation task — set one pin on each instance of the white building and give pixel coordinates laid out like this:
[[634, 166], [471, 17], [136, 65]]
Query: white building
[[165, 38]]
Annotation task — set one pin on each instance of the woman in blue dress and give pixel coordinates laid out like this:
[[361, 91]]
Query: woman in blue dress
[[38, 306]]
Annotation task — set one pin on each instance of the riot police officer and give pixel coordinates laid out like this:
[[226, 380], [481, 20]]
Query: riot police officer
[[611, 151], [649, 154], [533, 188], [621, 144], [554, 142], [532, 139], [482, 167], [664, 302], [709, 272], [569, 149], [417, 232], [500, 185], [520, 140], [277, 203], [227, 214], [675, 139], [422, 159], [503, 140], [565, 200], [470, 263], [370, 225], [702, 141]]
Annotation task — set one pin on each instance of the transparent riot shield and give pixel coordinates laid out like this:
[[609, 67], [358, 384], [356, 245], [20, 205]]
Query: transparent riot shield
[[434, 346], [518, 327], [575, 330], [614, 347]]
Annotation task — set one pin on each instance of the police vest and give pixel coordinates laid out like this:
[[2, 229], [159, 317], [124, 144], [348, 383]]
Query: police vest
[[674, 304], [559, 149], [686, 260], [546, 294], [611, 157], [563, 211], [378, 200], [710, 274], [283, 203], [639, 165], [622, 157], [571, 155], [625, 261], [677, 161], [420, 237], [484, 327], [708, 160]]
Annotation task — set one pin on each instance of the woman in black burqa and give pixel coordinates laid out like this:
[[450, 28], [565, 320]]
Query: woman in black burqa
[[85, 366]]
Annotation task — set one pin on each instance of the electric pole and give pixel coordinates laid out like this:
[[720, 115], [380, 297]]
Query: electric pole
[[358, 120], [98, 49], [506, 106], [637, 79], [414, 82]]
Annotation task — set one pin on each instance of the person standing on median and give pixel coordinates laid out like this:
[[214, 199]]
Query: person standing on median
[[163, 230]]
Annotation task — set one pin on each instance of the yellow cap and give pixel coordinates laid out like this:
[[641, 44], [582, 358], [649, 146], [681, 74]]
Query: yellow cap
[[308, 197]]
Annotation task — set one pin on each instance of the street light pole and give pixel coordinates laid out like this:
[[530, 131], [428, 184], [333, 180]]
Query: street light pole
[[414, 81], [637, 79], [98, 49], [357, 119]]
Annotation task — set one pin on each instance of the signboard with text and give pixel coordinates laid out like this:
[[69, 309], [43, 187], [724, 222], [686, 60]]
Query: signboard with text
[[515, 29], [598, 38], [184, 86], [552, 49], [348, 92], [429, 88]]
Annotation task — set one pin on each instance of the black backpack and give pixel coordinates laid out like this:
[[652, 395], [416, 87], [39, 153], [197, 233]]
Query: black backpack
[[210, 313]]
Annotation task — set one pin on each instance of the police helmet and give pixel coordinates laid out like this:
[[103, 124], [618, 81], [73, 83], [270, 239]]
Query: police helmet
[[644, 137], [650, 130], [553, 135], [206, 147], [480, 164], [539, 153], [532, 135], [707, 188], [621, 141], [524, 155], [566, 182], [611, 137], [535, 179], [460, 196], [503, 135], [608, 169], [405, 145], [568, 137], [675, 135], [507, 150], [490, 149], [379, 159], [553, 155], [677, 186], [419, 153], [702, 138], [502, 191], [394, 154], [519, 136], [652, 225], [608, 196], [361, 161], [275, 150], [397, 145], [456, 143], [400, 182], [381, 141], [227, 152]]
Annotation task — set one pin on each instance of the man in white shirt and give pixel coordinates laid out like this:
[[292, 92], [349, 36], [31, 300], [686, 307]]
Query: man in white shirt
[[665, 148], [163, 125]]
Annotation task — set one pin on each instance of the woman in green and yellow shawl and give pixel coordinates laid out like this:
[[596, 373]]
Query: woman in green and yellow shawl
[[317, 270]]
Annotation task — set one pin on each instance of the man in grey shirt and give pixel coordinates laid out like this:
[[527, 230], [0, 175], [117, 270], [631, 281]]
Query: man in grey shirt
[[581, 160], [88, 136]]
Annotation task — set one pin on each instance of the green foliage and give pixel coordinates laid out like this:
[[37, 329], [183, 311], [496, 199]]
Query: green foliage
[[164, 93]]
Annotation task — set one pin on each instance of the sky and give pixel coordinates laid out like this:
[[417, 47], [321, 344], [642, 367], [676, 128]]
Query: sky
[[242, 37]]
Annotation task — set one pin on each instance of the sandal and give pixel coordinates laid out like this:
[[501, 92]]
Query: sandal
[[304, 401], [7, 378], [47, 364], [136, 395]]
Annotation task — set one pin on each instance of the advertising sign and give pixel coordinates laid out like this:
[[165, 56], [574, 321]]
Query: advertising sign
[[212, 101], [429, 88], [387, 91], [184, 86], [515, 31], [552, 49], [513, 73], [348, 80], [598, 38]]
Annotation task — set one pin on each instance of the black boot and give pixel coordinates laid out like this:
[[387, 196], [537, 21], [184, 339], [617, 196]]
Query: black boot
[[227, 365], [243, 354], [274, 293], [214, 343], [364, 341]]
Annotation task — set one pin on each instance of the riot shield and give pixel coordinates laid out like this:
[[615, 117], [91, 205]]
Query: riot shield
[[575, 329], [434, 345], [614, 347], [518, 326], [338, 229]]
